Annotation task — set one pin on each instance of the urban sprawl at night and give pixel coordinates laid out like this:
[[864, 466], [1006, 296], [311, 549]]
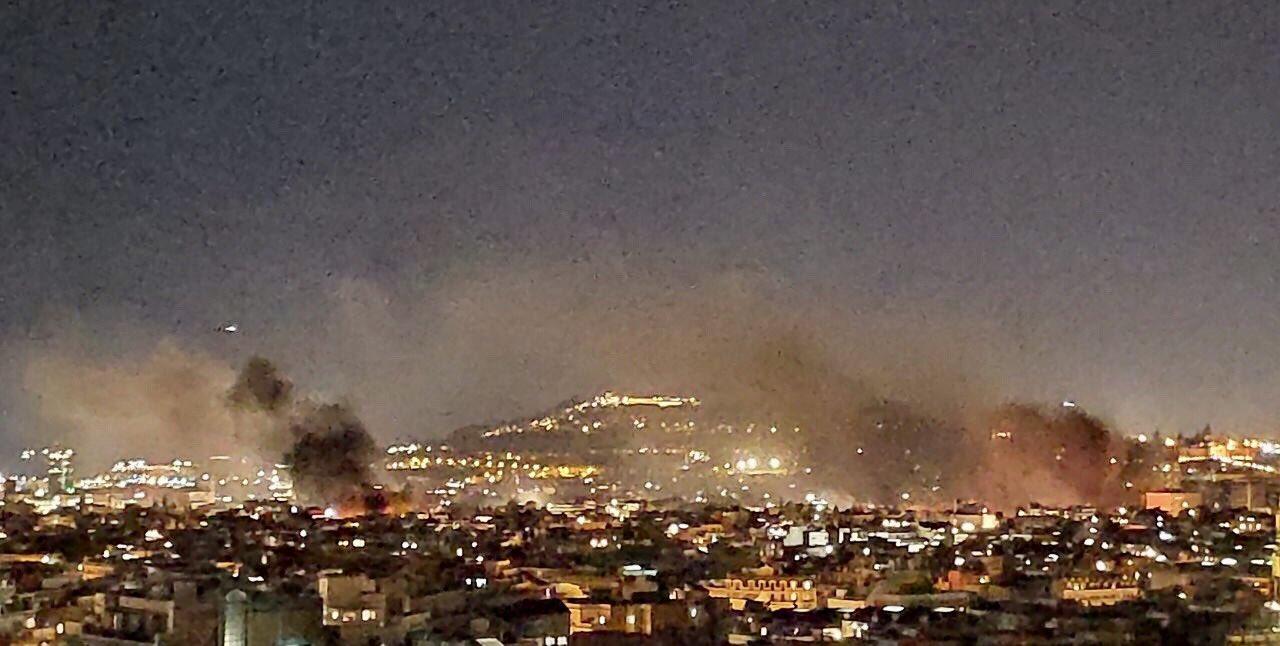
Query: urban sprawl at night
[[632, 518]]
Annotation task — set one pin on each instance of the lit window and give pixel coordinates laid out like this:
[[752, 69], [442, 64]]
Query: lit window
[[631, 620]]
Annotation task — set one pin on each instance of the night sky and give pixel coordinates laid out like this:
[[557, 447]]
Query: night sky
[[452, 212]]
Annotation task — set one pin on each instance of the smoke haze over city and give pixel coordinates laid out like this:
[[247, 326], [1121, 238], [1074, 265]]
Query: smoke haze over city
[[669, 322]]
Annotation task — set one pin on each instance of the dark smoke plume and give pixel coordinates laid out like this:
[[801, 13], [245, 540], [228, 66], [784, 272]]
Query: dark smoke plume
[[330, 456], [261, 388], [1005, 456], [1049, 456], [326, 445]]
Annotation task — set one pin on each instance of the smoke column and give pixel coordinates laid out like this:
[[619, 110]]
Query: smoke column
[[328, 448]]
